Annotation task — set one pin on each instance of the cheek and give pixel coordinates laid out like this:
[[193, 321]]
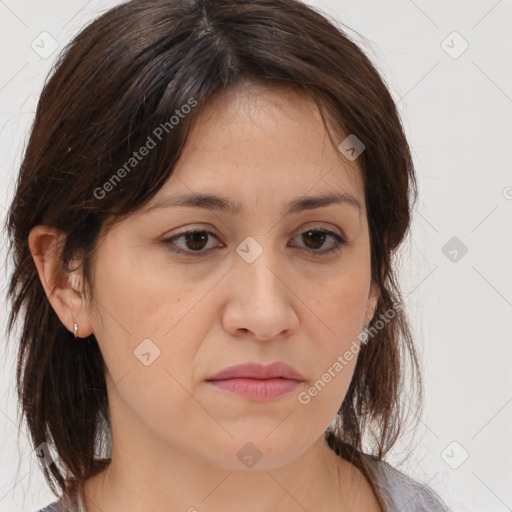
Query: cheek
[[336, 358], [334, 323], [149, 343], [138, 297], [337, 309], [140, 316]]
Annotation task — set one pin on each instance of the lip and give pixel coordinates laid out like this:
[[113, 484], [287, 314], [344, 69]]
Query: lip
[[257, 382], [259, 371]]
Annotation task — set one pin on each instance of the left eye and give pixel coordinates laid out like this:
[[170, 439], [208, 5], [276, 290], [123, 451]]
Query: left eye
[[316, 238], [196, 242]]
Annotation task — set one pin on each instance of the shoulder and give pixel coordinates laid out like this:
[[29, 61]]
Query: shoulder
[[63, 504], [400, 492], [71, 501], [52, 507]]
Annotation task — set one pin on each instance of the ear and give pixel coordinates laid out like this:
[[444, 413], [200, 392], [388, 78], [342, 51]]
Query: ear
[[371, 304], [62, 287]]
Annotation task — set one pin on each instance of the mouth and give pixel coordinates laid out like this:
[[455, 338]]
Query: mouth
[[257, 390], [256, 382]]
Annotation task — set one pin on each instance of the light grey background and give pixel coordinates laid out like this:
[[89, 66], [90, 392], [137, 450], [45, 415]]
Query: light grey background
[[457, 109]]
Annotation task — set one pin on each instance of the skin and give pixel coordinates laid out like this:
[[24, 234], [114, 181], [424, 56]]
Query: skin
[[175, 437]]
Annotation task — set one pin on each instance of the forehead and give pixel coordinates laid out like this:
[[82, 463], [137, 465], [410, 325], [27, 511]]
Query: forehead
[[268, 137], [259, 149], [269, 143]]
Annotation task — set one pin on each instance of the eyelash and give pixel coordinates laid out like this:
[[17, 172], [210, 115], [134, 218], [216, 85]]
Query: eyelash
[[339, 242]]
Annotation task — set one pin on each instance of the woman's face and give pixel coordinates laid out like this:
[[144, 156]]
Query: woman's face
[[258, 284]]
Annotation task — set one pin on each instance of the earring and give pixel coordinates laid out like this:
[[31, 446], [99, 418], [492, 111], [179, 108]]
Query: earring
[[76, 329]]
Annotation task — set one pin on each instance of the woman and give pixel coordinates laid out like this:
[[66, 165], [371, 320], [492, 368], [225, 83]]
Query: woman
[[202, 232]]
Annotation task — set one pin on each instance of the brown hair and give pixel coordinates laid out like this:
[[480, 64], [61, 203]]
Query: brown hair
[[127, 73]]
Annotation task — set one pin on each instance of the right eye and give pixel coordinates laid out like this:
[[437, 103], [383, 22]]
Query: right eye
[[193, 242]]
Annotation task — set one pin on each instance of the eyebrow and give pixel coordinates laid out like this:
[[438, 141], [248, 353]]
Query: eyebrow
[[224, 204]]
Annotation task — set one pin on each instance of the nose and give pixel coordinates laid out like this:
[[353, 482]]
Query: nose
[[261, 303]]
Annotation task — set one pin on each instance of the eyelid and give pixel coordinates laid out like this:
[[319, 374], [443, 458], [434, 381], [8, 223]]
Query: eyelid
[[315, 226], [319, 227], [340, 240]]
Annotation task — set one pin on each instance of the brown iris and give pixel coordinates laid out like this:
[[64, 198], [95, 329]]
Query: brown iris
[[318, 238]]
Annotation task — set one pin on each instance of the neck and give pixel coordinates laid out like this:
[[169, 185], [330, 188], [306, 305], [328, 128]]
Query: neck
[[181, 483]]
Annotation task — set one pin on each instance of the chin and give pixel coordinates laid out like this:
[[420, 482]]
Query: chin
[[256, 453]]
